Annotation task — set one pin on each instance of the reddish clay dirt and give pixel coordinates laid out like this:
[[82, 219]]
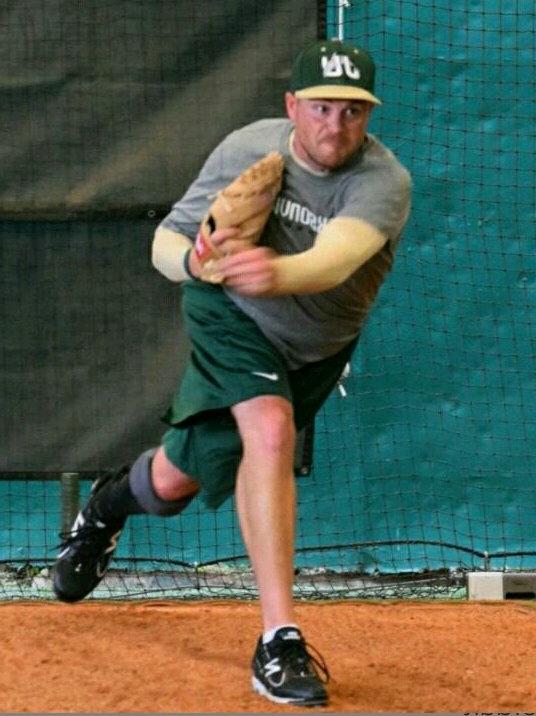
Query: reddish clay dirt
[[173, 657]]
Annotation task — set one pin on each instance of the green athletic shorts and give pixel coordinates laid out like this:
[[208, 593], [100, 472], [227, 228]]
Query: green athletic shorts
[[232, 361]]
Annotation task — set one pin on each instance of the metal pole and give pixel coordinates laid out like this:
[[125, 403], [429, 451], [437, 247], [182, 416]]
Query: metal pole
[[340, 20], [70, 499]]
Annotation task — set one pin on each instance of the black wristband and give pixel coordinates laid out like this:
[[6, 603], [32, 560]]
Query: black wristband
[[186, 264]]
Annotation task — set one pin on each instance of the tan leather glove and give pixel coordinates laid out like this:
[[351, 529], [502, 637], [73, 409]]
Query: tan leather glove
[[245, 203]]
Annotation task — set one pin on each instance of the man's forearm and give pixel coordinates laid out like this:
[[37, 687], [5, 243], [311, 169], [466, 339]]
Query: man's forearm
[[170, 251], [342, 247]]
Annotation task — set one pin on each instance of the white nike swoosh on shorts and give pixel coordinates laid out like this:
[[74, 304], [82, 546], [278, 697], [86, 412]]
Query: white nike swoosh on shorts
[[269, 376]]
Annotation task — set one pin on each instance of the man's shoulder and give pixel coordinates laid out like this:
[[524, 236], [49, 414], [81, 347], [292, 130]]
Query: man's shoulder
[[274, 125], [261, 136], [378, 157]]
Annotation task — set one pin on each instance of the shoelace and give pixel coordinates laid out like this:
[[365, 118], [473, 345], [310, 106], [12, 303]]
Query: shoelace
[[307, 654], [89, 535], [89, 532]]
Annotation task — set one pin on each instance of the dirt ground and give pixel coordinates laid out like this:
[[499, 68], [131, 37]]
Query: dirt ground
[[194, 657]]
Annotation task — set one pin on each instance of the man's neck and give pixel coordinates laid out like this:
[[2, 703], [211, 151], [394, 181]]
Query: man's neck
[[301, 162]]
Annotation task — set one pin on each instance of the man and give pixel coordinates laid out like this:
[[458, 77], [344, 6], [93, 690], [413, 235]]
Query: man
[[269, 343]]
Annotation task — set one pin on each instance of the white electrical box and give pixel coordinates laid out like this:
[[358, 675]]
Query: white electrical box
[[501, 585]]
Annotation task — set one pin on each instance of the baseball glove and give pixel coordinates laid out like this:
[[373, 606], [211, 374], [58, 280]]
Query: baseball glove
[[245, 203]]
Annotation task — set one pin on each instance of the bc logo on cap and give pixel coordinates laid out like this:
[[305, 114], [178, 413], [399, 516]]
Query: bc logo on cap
[[337, 65]]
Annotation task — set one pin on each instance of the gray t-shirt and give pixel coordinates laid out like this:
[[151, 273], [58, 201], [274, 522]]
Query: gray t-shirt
[[373, 187]]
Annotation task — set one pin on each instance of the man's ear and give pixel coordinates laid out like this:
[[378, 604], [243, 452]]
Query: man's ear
[[290, 104]]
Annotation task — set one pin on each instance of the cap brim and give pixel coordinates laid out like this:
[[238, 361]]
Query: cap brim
[[336, 92]]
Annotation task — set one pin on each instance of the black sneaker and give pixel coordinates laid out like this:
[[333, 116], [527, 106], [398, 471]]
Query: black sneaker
[[285, 672], [86, 550]]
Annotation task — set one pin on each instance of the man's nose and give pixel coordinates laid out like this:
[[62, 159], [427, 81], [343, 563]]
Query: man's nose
[[335, 122]]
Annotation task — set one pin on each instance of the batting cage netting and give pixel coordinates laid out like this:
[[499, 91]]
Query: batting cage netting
[[420, 466]]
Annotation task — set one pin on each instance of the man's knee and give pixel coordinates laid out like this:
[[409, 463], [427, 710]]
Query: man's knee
[[169, 482], [266, 423]]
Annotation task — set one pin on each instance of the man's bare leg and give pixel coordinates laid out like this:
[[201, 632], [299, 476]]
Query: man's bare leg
[[266, 501], [283, 670]]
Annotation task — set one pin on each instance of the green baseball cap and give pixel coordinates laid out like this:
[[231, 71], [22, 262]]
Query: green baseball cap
[[332, 69]]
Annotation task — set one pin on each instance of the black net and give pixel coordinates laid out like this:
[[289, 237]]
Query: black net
[[423, 471]]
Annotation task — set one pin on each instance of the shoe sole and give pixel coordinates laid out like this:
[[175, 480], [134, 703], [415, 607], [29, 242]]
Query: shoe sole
[[62, 596], [66, 597], [263, 691]]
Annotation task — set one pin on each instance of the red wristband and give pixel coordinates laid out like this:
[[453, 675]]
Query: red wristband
[[201, 247]]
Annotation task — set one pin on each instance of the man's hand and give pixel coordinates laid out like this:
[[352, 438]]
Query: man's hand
[[251, 272], [226, 241], [246, 203]]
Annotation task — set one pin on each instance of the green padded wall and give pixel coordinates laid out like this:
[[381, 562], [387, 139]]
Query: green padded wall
[[438, 427]]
